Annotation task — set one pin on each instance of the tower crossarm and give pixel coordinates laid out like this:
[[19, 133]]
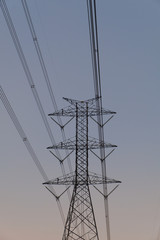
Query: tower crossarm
[[69, 179], [92, 143], [70, 111]]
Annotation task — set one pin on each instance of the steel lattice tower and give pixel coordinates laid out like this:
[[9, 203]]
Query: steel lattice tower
[[80, 222]]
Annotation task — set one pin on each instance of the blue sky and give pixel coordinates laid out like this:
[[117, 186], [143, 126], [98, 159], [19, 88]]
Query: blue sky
[[129, 37]]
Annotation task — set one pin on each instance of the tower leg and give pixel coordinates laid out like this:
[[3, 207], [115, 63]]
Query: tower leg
[[80, 223]]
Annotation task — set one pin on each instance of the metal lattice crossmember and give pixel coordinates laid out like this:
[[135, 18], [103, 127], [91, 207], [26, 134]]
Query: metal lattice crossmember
[[69, 179], [92, 109], [80, 222], [92, 143]]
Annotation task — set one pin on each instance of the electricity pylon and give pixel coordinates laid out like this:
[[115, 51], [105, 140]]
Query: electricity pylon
[[80, 222]]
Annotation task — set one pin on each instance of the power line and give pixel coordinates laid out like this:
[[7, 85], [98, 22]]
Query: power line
[[25, 65], [44, 69], [29, 147], [29, 76], [39, 54], [93, 32]]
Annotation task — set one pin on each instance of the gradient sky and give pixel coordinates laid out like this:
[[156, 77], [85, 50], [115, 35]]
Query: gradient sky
[[129, 37]]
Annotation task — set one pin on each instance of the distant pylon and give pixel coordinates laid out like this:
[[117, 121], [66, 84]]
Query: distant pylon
[[80, 222]]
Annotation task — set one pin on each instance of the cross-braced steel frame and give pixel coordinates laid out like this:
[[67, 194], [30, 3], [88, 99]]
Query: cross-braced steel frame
[[80, 222]]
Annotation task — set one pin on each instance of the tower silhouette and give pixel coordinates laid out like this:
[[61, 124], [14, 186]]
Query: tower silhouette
[[80, 222]]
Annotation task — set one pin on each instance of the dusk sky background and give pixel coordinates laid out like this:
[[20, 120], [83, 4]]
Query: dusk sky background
[[129, 44]]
